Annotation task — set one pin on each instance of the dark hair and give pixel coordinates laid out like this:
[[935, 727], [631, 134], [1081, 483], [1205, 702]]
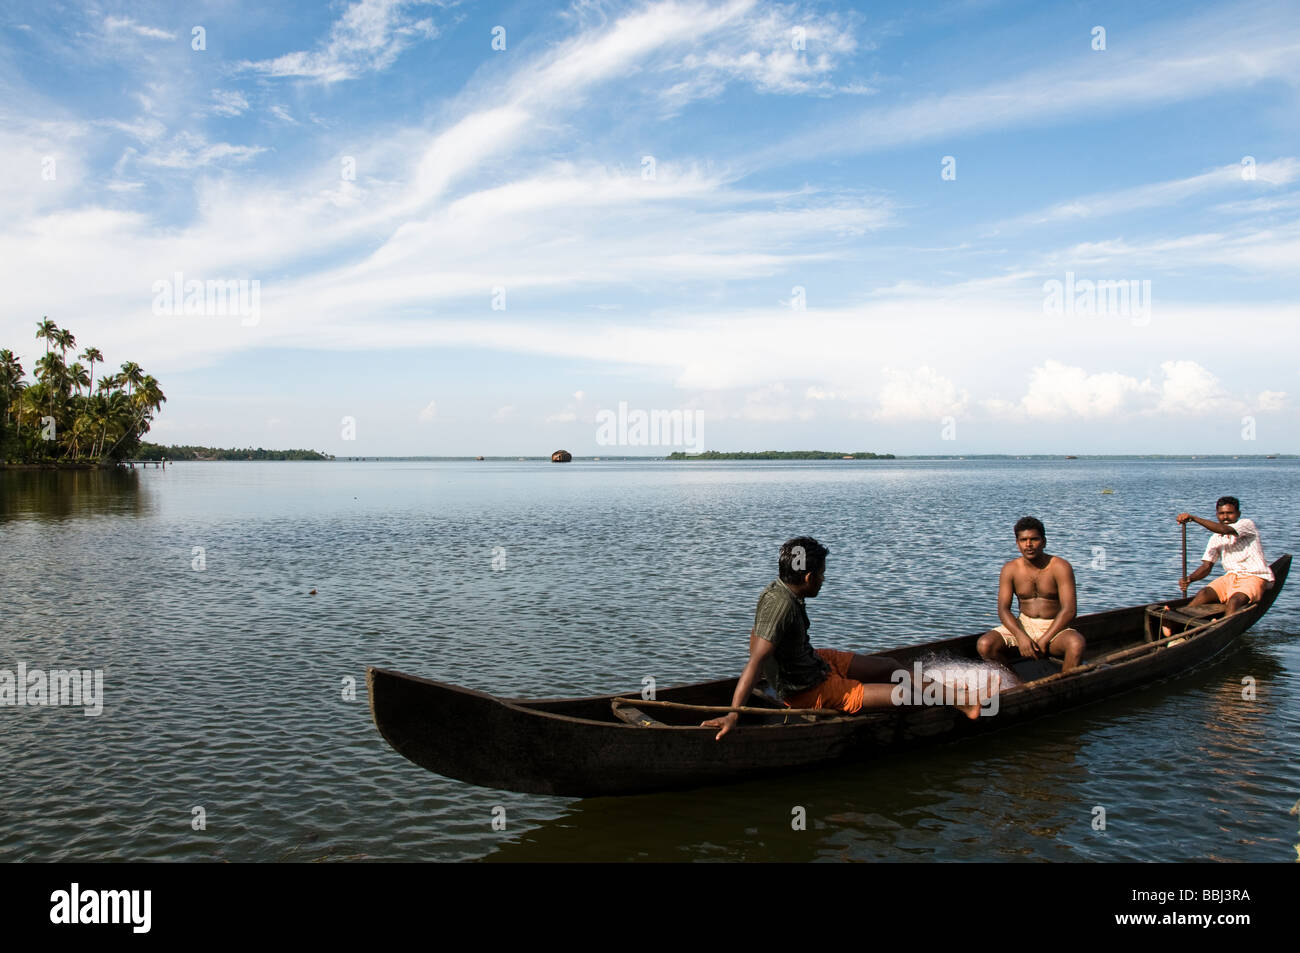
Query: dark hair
[[810, 553], [1228, 501], [1029, 522]]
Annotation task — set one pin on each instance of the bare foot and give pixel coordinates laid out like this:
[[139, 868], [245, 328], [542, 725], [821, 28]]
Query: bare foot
[[991, 684]]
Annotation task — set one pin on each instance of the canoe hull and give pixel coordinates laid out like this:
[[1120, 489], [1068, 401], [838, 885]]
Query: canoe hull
[[575, 748]]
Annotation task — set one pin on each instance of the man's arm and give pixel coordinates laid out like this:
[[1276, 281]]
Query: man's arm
[[1063, 573], [1200, 572], [759, 650], [1221, 528]]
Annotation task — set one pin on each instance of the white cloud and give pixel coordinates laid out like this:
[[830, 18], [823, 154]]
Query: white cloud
[[1271, 400], [1189, 388], [919, 394], [1057, 390], [429, 411], [564, 417], [1102, 204], [761, 51], [503, 414], [228, 102], [118, 24], [367, 38], [1202, 55], [192, 151]]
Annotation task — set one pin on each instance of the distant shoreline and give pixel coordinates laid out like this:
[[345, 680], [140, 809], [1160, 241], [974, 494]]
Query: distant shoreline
[[192, 454], [832, 459]]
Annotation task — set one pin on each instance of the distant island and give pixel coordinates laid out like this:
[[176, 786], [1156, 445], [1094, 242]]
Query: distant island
[[64, 417], [154, 451], [780, 455]]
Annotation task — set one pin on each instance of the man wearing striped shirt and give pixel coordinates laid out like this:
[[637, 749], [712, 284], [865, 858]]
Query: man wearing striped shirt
[[1236, 542]]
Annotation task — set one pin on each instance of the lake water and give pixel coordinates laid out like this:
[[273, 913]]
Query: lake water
[[224, 685]]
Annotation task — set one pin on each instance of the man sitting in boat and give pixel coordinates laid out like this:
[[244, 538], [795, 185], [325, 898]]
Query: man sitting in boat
[[1044, 585], [779, 649], [1246, 574]]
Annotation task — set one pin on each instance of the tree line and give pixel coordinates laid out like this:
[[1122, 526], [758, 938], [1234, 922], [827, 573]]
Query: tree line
[[155, 451]]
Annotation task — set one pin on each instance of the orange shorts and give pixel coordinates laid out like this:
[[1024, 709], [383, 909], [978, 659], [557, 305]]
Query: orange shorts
[[1229, 584], [838, 691]]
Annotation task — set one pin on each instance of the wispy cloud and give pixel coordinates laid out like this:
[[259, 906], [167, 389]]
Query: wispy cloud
[[1240, 177], [1210, 53], [367, 38], [127, 25], [228, 102]]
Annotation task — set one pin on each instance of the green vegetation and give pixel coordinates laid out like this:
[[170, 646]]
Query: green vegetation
[[64, 417], [779, 455], [154, 451]]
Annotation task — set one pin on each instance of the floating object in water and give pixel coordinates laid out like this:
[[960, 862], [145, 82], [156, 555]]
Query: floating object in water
[[312, 593], [1107, 492]]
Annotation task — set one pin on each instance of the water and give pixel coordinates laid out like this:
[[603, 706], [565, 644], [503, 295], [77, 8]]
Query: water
[[224, 687]]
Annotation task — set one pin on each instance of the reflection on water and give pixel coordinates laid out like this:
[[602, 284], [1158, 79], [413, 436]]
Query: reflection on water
[[58, 494], [224, 684]]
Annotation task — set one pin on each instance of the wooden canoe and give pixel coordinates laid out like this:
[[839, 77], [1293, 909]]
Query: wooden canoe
[[579, 747]]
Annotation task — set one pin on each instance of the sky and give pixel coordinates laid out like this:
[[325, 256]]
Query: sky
[[459, 228]]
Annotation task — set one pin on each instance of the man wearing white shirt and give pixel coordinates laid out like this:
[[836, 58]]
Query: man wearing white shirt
[[1246, 574]]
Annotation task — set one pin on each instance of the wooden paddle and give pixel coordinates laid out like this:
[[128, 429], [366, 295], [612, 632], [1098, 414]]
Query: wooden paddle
[[1184, 575]]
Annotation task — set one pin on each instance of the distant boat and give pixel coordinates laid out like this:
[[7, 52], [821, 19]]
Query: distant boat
[[1071, 458], [478, 458], [846, 457]]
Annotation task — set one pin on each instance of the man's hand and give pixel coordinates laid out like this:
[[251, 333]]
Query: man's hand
[[1183, 517], [726, 723], [1183, 584], [1028, 647]]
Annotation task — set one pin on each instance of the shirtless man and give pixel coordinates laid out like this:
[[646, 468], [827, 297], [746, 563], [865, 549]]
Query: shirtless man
[[1236, 541], [1045, 587]]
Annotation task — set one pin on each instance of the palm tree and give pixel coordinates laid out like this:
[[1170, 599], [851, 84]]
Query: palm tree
[[11, 377], [47, 329], [92, 354], [78, 377], [132, 375], [151, 394], [84, 424], [64, 339]]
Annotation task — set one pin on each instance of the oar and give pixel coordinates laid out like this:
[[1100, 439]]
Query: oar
[[742, 709], [1184, 575]]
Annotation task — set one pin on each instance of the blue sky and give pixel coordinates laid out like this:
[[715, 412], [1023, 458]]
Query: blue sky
[[807, 225]]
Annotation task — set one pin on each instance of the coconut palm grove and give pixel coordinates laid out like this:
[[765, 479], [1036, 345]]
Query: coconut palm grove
[[67, 416]]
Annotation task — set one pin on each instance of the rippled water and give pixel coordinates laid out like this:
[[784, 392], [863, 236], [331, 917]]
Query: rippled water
[[224, 686]]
